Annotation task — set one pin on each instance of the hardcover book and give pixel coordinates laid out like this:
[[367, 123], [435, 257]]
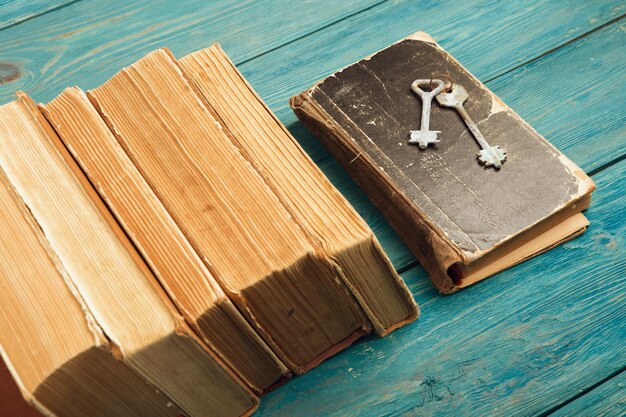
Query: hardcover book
[[332, 226], [59, 232], [181, 271], [287, 291], [171, 250], [463, 220]]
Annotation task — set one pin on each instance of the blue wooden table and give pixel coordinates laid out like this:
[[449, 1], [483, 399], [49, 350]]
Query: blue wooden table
[[545, 337]]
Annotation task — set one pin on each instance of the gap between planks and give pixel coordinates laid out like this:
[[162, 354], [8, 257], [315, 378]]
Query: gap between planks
[[14, 21], [613, 377]]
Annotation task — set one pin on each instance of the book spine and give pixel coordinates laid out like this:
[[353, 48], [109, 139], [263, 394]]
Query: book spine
[[434, 252]]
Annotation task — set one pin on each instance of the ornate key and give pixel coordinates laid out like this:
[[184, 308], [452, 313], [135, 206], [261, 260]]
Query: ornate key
[[424, 137], [489, 155]]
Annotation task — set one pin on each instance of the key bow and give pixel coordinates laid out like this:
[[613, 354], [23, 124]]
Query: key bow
[[415, 86]]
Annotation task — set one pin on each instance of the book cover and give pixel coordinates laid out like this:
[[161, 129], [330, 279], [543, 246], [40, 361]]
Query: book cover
[[463, 220]]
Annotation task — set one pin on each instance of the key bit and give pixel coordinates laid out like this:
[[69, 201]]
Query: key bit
[[424, 137], [489, 155]]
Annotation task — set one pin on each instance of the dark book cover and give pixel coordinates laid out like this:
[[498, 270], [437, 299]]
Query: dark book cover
[[451, 210], [12, 404]]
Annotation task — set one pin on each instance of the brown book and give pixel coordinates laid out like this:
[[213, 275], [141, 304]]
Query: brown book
[[289, 292], [332, 226], [61, 361], [462, 220], [188, 282], [150, 355]]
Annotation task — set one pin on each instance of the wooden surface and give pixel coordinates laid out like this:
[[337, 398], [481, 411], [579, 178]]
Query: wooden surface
[[546, 337]]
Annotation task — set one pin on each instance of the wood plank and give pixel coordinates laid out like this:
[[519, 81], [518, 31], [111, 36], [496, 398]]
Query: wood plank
[[517, 343], [13, 12], [572, 118], [606, 400], [467, 31], [576, 96], [87, 42]]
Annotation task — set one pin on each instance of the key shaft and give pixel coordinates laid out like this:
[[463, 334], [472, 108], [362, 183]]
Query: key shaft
[[424, 136], [472, 126], [426, 107], [489, 155]]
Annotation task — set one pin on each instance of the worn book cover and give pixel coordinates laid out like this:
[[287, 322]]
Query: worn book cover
[[462, 219]]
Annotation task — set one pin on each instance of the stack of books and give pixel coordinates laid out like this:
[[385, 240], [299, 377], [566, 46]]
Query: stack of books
[[168, 248]]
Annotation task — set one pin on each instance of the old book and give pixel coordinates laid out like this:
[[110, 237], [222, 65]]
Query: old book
[[332, 226], [233, 220], [145, 333], [188, 282], [462, 220], [58, 356]]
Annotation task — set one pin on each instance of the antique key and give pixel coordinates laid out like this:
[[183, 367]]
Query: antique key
[[489, 155], [424, 137]]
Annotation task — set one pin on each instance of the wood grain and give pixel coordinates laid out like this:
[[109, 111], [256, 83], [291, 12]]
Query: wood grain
[[606, 400], [467, 32], [87, 42], [516, 344], [576, 96], [13, 12]]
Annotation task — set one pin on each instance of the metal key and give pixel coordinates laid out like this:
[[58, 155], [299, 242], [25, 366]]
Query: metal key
[[489, 155], [424, 137]]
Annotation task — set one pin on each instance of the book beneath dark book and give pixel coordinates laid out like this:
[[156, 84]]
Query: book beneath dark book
[[463, 220]]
